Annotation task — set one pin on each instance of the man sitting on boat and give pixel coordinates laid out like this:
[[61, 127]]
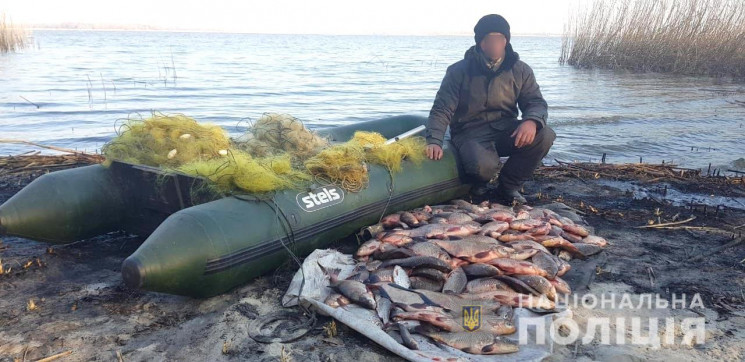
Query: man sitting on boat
[[479, 99]]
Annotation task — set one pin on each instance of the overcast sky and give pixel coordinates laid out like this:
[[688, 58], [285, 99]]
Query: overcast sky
[[416, 17]]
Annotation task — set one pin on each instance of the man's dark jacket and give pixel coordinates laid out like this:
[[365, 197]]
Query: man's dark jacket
[[472, 94]]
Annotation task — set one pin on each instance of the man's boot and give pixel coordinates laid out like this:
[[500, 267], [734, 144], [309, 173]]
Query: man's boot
[[481, 189], [508, 196]]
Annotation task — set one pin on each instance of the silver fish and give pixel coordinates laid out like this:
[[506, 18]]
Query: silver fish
[[409, 219], [478, 270], [430, 273], [571, 237], [418, 261], [368, 248], [456, 282], [527, 244], [354, 290], [400, 277], [364, 314], [456, 303], [522, 254], [486, 285], [454, 322], [561, 286], [472, 342], [547, 262], [575, 229], [525, 224], [518, 285], [465, 205], [588, 249], [564, 266], [337, 300], [496, 215], [390, 251], [595, 240], [480, 239], [494, 228], [425, 284], [383, 307], [406, 338], [540, 284], [427, 248], [511, 266], [475, 252]]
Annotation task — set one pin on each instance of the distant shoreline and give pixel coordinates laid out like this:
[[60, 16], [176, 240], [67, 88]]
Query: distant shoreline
[[34, 28]]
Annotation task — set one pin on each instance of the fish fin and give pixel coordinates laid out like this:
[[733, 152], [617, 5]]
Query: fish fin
[[425, 330], [383, 293], [482, 254], [488, 349], [426, 299], [420, 329], [399, 305]]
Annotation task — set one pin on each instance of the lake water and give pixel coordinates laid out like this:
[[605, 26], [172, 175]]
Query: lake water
[[72, 87]]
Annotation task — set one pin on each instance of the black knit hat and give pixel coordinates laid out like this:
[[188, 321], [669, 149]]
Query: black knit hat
[[491, 23]]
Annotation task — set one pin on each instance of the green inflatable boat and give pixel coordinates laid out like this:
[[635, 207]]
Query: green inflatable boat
[[200, 246]]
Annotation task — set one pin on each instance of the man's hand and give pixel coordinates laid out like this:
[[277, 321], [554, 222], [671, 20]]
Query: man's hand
[[525, 133], [434, 152]]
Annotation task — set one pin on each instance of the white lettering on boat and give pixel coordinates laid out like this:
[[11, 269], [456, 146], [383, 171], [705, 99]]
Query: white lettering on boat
[[320, 198]]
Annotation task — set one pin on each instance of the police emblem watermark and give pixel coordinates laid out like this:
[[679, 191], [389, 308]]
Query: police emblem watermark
[[634, 326], [471, 317]]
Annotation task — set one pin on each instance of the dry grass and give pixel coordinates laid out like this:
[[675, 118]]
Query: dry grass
[[12, 38], [704, 37]]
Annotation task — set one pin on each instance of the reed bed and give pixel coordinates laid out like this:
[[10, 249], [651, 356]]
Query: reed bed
[[697, 37], [12, 38]]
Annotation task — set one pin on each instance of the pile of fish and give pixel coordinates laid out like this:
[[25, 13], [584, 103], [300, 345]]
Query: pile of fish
[[454, 272]]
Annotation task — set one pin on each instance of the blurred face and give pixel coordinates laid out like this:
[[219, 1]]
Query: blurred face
[[493, 45]]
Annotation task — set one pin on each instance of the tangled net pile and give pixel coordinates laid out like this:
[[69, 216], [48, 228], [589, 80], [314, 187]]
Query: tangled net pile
[[276, 153], [166, 141]]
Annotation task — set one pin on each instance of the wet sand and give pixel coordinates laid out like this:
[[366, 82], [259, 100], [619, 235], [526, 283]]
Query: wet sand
[[80, 304]]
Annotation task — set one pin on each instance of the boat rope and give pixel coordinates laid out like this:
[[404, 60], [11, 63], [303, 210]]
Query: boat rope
[[391, 188], [302, 327], [302, 324]]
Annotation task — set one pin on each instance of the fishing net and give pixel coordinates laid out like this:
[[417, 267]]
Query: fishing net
[[391, 155], [341, 164], [166, 141], [276, 133], [277, 152], [240, 171]]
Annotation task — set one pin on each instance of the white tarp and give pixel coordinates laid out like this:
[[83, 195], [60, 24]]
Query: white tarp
[[315, 289]]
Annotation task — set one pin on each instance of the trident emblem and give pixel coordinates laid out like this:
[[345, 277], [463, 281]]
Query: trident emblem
[[471, 317]]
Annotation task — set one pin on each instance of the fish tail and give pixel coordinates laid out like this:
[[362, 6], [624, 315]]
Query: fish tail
[[333, 273]]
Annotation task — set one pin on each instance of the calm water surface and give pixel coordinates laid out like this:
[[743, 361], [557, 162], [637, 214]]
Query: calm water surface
[[83, 82]]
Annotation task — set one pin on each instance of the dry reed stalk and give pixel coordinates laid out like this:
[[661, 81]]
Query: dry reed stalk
[[12, 38], [701, 37]]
